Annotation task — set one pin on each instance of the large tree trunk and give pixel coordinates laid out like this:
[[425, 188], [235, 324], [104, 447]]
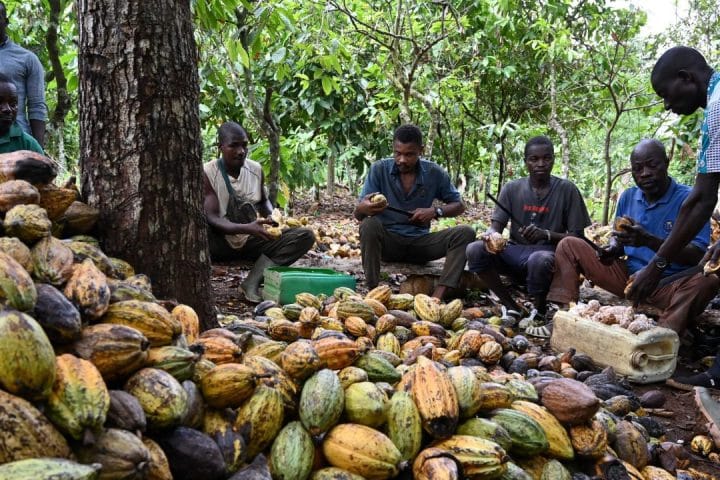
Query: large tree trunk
[[140, 142]]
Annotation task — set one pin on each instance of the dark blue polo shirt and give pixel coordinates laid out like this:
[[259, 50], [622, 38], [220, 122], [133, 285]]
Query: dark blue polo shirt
[[432, 182], [657, 218]]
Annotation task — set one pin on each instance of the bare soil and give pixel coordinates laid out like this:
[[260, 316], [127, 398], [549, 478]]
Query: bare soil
[[334, 214]]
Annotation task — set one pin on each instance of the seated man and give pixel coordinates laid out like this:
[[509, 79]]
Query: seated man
[[411, 183], [549, 208], [12, 138], [234, 233], [652, 206]]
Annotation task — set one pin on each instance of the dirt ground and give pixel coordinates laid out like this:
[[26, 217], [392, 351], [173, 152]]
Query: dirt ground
[[334, 215]]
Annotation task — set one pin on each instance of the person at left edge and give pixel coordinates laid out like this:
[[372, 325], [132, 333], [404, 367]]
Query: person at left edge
[[229, 240], [411, 182], [12, 138], [24, 69]]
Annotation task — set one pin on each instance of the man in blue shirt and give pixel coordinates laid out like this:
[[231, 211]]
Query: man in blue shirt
[[652, 208], [25, 70], [411, 183]]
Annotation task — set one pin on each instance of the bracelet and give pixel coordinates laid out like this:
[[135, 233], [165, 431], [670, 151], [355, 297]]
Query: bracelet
[[549, 239]]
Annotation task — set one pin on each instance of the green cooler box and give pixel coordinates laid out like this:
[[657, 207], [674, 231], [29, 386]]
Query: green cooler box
[[283, 283]]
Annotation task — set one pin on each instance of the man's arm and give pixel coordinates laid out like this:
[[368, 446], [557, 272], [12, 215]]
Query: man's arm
[[211, 205], [35, 99], [695, 211], [37, 127]]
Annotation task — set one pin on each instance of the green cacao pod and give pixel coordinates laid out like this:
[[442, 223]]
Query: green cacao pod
[[322, 401], [292, 453]]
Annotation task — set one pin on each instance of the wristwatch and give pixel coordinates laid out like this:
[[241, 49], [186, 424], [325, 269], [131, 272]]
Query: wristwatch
[[660, 263], [439, 212]]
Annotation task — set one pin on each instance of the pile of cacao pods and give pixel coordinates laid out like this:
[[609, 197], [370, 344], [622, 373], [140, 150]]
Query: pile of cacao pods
[[100, 380]]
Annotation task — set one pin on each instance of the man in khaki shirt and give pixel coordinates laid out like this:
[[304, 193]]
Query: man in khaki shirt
[[234, 176]]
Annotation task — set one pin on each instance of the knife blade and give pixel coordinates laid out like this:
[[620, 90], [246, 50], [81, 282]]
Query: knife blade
[[398, 210], [506, 210]]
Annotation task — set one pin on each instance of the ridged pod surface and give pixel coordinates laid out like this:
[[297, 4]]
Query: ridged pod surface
[[162, 398], [79, 400], [528, 437], [58, 317], [322, 401], [88, 290], [29, 223], [404, 426], [337, 353], [49, 468], [366, 404], [228, 385], [260, 419], [292, 453], [558, 438], [27, 368], [52, 261], [362, 450], [479, 458], [156, 323], [435, 397], [27, 433], [116, 350], [334, 473], [17, 289], [189, 321], [121, 454], [435, 464], [159, 467]]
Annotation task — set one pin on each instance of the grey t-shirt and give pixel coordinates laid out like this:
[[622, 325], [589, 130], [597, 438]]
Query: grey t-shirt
[[562, 210], [26, 72]]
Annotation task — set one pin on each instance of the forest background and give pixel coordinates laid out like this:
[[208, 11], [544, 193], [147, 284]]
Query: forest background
[[136, 90], [320, 85]]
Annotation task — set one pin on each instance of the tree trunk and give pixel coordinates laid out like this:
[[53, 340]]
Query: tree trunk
[[332, 156], [556, 125], [140, 143]]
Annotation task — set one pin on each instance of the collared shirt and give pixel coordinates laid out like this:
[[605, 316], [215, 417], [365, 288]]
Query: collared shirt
[[708, 160], [25, 70], [432, 182], [15, 139], [657, 218]]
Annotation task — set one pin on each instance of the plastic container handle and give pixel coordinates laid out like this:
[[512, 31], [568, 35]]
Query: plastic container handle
[[641, 359]]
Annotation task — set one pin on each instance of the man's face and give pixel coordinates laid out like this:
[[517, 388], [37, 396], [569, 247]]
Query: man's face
[[406, 156], [680, 95], [8, 105], [539, 161], [234, 149], [649, 169]]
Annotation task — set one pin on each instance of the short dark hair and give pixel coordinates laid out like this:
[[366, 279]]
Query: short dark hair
[[654, 143], [408, 133], [227, 129], [676, 59], [539, 140]]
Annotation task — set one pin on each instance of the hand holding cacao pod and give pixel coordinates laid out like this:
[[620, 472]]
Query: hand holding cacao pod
[[494, 242], [274, 232], [622, 222], [712, 263], [378, 199]]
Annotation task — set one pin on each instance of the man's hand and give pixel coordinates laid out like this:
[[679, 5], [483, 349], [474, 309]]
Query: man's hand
[[644, 284], [422, 216], [366, 208], [711, 258], [607, 254], [632, 235], [533, 234], [256, 228]]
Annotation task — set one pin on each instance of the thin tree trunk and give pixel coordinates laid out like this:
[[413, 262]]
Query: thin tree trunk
[[331, 166], [140, 142], [63, 104], [556, 125]]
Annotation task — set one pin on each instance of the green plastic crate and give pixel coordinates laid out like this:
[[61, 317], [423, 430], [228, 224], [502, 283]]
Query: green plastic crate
[[283, 283]]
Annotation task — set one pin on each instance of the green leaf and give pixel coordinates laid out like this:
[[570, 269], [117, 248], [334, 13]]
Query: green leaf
[[278, 55], [327, 85]]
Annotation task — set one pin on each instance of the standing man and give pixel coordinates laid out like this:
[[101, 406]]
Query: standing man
[[685, 82], [12, 138], [410, 182], [549, 208], [234, 189], [25, 70], [653, 206]]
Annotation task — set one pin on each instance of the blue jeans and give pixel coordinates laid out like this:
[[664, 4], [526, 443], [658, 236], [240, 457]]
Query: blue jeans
[[533, 265]]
